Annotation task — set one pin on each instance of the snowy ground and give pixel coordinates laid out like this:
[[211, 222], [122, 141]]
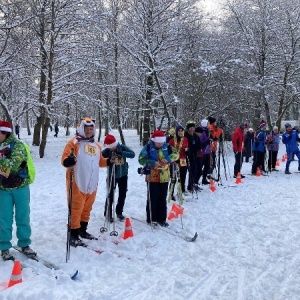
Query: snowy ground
[[248, 244]]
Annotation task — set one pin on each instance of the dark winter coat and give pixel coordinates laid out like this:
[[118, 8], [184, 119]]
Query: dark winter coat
[[248, 142], [194, 145], [122, 152]]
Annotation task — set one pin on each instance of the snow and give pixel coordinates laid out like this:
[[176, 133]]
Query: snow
[[247, 248]]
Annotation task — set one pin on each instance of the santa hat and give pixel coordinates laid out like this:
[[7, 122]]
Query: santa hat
[[158, 137], [5, 126], [110, 141]]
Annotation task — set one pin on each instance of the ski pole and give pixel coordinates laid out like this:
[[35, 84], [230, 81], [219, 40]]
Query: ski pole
[[114, 232], [70, 199]]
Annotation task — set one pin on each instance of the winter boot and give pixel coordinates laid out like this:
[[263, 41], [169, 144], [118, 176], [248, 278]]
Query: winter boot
[[287, 172], [6, 255], [164, 224], [120, 217], [75, 241], [83, 233], [28, 252]]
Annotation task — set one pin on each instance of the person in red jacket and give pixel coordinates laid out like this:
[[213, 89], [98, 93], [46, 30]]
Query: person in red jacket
[[181, 144], [238, 148]]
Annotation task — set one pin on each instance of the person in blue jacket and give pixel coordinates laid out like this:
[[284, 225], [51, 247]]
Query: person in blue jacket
[[259, 149], [290, 138], [117, 154]]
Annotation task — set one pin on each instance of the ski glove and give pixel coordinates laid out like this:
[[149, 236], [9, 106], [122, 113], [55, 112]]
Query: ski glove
[[70, 161]]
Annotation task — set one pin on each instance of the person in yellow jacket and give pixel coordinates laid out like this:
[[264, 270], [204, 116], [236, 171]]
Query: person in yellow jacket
[[84, 156]]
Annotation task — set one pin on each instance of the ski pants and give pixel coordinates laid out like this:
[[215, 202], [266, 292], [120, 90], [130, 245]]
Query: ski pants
[[15, 202], [258, 161], [81, 206], [290, 158], [122, 185], [238, 163], [272, 159], [158, 202]]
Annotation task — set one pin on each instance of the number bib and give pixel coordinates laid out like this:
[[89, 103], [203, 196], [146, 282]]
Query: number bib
[[91, 150], [182, 162]]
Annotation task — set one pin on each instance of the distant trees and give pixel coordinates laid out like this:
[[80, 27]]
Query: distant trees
[[147, 63]]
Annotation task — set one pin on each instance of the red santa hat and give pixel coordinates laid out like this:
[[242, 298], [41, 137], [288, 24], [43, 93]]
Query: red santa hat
[[110, 141], [5, 126], [158, 137]]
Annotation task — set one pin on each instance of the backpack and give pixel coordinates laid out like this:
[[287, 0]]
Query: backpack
[[29, 171]]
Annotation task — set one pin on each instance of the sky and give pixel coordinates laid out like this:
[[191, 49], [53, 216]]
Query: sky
[[247, 247]]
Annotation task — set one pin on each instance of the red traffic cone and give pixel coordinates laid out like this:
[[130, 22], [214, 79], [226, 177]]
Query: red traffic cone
[[128, 229], [258, 172], [238, 178], [16, 275], [174, 212], [212, 185]]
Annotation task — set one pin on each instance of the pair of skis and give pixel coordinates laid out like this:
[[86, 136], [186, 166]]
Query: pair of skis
[[170, 231]]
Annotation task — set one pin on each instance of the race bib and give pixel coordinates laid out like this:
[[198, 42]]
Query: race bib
[[119, 161], [4, 171], [91, 150], [183, 162]]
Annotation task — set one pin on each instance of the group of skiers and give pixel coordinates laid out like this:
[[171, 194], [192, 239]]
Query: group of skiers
[[165, 160]]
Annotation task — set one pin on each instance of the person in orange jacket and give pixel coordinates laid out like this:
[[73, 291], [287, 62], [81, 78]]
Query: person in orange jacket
[[215, 135], [83, 156]]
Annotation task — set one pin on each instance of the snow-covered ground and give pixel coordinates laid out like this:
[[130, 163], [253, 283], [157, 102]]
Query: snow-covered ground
[[247, 248]]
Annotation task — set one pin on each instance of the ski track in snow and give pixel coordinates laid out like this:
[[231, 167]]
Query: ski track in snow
[[247, 248]]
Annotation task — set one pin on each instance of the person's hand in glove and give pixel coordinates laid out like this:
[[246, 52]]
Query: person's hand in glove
[[70, 161]]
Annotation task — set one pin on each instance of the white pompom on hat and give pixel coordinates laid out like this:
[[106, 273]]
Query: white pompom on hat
[[5, 126], [158, 137], [204, 123], [110, 141]]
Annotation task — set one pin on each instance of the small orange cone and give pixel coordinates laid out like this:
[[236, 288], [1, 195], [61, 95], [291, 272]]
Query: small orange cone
[[277, 163], [174, 212], [16, 276], [258, 172], [212, 185], [238, 178], [128, 229]]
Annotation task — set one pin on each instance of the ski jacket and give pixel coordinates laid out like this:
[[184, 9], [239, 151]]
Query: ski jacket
[[181, 146], [238, 140], [122, 152], [194, 145], [13, 158], [149, 155], [88, 160], [290, 140], [205, 141], [248, 142], [260, 141], [215, 134], [273, 141]]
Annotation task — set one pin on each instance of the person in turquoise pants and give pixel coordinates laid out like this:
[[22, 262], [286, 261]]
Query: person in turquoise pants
[[14, 193]]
